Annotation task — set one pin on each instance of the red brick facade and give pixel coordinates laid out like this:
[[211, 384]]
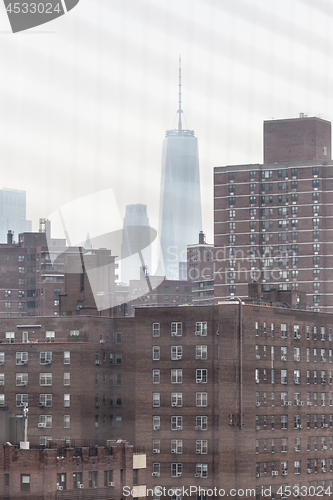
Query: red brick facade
[[273, 225]]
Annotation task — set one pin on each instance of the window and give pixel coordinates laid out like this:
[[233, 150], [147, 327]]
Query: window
[[201, 328], [156, 399], [21, 399], [45, 400], [252, 187], [45, 379], [176, 446], [156, 446], [284, 377], [21, 379], [49, 336], [77, 480], [118, 358], [176, 352], [67, 357], [252, 174], [284, 445], [284, 422], [93, 479], [67, 400], [67, 421], [201, 376], [176, 423], [67, 378], [232, 213], [156, 353], [201, 399], [201, 470], [176, 399], [25, 482], [176, 376], [156, 376], [45, 421], [21, 358], [119, 422], [176, 469], [10, 338], [201, 352], [202, 446], [232, 200], [118, 379], [156, 329], [201, 423], [283, 331], [176, 329]]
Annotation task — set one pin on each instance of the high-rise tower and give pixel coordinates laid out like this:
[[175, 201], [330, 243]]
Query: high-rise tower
[[180, 205], [135, 247], [13, 213]]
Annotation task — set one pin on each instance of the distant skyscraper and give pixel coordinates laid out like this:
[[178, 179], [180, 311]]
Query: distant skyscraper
[[13, 213], [180, 205], [135, 247]]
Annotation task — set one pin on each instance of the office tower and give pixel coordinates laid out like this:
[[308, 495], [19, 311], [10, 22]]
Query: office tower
[[273, 221], [180, 205], [135, 251], [13, 213]]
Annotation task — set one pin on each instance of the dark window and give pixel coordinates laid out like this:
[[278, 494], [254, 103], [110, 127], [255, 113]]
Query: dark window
[[232, 200], [232, 176], [25, 482]]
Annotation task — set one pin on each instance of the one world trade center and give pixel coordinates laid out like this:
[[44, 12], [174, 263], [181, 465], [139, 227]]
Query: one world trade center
[[180, 204]]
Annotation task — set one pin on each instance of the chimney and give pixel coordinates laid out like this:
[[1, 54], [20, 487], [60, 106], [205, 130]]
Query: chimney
[[201, 238], [10, 237]]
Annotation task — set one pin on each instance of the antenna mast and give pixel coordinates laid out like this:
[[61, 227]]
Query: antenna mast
[[180, 99]]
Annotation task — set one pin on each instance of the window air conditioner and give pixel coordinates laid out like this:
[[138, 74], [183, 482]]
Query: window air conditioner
[[174, 404], [102, 341], [60, 488], [196, 474], [156, 427], [97, 362], [111, 484], [81, 486], [309, 471], [156, 450], [257, 403], [173, 451], [41, 425]]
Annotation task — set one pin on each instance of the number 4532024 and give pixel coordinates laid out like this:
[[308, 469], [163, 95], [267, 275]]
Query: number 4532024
[[33, 8]]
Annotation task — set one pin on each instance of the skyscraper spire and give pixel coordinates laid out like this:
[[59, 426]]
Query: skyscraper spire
[[180, 98]]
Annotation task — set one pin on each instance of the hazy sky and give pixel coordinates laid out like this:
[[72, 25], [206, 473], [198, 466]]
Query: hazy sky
[[85, 100]]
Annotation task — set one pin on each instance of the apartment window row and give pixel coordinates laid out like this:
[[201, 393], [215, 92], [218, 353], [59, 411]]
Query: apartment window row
[[176, 446], [177, 352], [270, 376], [274, 352], [275, 468], [45, 358], [201, 470], [74, 481], [45, 400], [273, 422], [316, 443], [201, 423], [177, 329], [275, 398], [312, 333]]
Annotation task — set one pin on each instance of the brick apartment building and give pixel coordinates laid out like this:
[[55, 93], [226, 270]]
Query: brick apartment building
[[200, 258], [71, 471], [234, 395], [240, 396], [75, 374], [273, 222], [157, 291], [34, 274]]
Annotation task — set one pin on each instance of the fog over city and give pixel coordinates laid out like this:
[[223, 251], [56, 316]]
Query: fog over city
[[86, 100]]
